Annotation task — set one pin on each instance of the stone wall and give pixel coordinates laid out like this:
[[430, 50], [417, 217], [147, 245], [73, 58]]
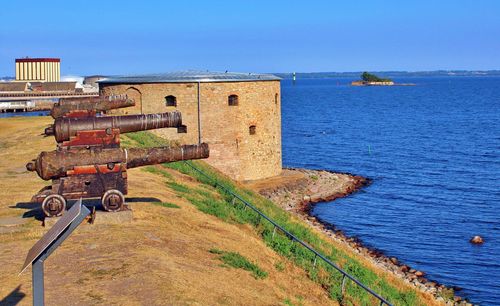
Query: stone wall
[[233, 149]]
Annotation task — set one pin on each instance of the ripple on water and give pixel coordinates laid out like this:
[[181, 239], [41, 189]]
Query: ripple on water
[[432, 151]]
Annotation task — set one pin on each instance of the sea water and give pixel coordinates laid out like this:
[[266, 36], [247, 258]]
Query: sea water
[[24, 114], [433, 153]]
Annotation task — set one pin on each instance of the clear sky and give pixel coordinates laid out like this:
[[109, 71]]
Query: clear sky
[[128, 37]]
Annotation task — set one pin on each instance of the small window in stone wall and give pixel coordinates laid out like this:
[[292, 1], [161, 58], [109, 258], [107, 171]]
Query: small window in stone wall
[[232, 100], [252, 129], [275, 98], [170, 101], [182, 129]]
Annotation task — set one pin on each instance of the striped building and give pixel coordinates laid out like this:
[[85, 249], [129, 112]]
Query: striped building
[[38, 69]]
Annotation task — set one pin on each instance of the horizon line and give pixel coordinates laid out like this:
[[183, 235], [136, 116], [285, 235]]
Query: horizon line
[[302, 72]]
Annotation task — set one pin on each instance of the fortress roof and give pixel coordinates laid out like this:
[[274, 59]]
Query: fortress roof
[[190, 76]]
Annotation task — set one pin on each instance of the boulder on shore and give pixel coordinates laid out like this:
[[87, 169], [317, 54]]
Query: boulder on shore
[[419, 273]]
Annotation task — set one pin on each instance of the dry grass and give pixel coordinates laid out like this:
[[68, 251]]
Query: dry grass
[[20, 142], [384, 283], [161, 257]]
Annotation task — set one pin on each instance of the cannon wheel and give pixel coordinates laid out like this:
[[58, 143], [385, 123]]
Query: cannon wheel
[[113, 200], [54, 205]]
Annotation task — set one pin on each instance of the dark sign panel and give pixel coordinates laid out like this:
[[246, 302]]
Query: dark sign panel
[[53, 233]]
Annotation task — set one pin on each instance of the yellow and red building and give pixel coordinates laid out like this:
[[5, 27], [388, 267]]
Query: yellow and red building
[[38, 69]]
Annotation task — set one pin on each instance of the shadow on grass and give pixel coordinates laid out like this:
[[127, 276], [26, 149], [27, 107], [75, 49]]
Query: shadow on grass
[[14, 297], [142, 199], [34, 210]]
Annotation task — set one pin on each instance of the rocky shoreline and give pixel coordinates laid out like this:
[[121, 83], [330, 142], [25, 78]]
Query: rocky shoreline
[[300, 189]]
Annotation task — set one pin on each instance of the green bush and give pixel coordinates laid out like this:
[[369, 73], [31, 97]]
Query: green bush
[[368, 77]]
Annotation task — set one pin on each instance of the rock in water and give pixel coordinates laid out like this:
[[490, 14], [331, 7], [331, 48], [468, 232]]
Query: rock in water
[[477, 240]]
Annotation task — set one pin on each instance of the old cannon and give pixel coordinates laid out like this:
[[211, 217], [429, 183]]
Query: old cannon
[[98, 172], [88, 106], [104, 131], [88, 161]]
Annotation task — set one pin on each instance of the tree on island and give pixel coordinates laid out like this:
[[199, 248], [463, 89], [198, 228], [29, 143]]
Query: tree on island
[[368, 77]]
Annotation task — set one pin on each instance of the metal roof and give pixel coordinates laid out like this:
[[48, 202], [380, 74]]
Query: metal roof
[[44, 59], [190, 77], [12, 86]]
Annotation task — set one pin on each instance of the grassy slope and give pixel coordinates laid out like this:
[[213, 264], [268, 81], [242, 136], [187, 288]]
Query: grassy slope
[[161, 257], [215, 202]]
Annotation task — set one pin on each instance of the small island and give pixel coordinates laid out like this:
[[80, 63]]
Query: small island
[[368, 79]]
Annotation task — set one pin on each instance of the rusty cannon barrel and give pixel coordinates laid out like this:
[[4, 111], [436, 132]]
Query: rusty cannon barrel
[[90, 104], [56, 164], [65, 128]]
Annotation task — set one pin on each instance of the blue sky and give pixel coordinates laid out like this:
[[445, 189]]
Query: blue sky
[[127, 37]]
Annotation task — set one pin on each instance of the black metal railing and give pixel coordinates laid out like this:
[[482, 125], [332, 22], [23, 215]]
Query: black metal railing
[[345, 275]]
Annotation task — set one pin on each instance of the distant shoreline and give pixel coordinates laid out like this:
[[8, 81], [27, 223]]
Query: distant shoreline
[[392, 74], [355, 74], [382, 84]]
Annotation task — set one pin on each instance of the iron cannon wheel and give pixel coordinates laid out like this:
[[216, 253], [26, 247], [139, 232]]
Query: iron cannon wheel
[[113, 200], [54, 205]]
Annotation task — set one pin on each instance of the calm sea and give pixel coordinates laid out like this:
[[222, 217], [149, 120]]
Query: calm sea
[[24, 114], [433, 152]]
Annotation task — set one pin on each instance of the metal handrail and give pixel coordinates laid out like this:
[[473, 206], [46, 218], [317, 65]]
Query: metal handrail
[[294, 238]]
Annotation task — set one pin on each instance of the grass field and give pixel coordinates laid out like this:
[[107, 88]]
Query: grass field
[[163, 256], [216, 202]]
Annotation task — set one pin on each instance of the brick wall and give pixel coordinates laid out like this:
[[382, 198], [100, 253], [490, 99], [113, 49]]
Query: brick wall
[[233, 150]]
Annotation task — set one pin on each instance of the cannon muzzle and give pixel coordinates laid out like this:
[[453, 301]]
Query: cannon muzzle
[[65, 128], [92, 104], [56, 164]]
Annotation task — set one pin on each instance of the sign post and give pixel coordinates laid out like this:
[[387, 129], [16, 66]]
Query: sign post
[[48, 243]]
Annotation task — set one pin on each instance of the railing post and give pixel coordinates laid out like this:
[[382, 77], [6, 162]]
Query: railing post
[[315, 257], [343, 284], [38, 283], [274, 232], [234, 199]]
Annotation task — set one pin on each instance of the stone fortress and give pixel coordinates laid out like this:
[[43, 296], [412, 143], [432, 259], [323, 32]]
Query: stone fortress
[[238, 114]]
